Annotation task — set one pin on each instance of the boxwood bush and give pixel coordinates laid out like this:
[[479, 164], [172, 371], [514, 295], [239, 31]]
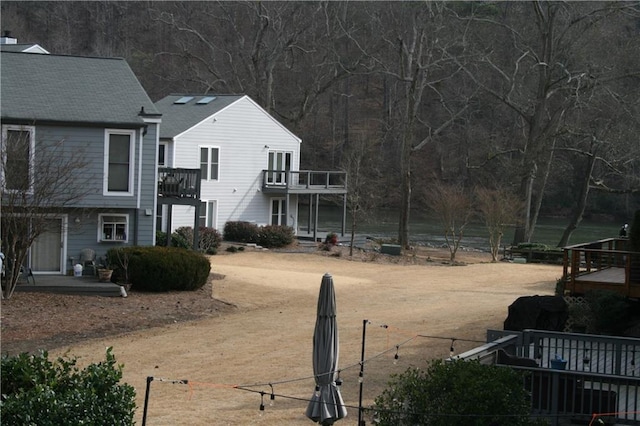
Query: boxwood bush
[[241, 232], [161, 269], [37, 391], [209, 239]]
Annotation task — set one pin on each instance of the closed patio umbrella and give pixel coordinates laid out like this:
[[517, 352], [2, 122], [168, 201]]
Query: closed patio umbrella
[[326, 405]]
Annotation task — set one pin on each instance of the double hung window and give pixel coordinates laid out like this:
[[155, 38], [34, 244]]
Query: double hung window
[[18, 144], [119, 162]]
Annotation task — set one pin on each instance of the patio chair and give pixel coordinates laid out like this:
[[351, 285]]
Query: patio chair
[[88, 260]]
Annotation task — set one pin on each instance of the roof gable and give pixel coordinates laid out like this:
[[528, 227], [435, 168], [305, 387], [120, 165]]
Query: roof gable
[[181, 112], [71, 89]]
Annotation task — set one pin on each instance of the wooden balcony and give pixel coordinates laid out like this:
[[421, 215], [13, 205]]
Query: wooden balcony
[[304, 182], [178, 186], [601, 265], [599, 380]]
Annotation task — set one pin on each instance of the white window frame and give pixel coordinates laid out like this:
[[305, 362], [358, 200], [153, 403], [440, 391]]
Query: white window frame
[[32, 147], [132, 144], [165, 147], [273, 158], [209, 148], [210, 213], [282, 214], [101, 223]]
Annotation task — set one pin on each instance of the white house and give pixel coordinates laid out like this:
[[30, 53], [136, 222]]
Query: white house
[[234, 143]]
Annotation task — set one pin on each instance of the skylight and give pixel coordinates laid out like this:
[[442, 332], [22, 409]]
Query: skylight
[[183, 100], [205, 100]]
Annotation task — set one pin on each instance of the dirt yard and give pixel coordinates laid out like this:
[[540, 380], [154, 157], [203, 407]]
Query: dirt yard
[[258, 327]]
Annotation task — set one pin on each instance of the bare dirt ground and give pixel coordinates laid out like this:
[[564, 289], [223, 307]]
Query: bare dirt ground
[[250, 329]]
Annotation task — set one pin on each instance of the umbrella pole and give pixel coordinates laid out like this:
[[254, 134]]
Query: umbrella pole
[[361, 376]]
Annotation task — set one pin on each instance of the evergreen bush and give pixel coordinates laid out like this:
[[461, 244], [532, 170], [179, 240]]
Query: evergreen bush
[[454, 393], [241, 232], [37, 391], [161, 269]]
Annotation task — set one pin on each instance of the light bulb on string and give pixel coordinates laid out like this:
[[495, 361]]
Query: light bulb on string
[[317, 391], [261, 403], [360, 377], [338, 380], [396, 356], [452, 350], [272, 397], [585, 358]]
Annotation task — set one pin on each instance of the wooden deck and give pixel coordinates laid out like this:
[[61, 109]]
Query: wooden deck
[[63, 284], [600, 265]]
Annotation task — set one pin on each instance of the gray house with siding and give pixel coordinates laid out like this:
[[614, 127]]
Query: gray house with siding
[[89, 108]]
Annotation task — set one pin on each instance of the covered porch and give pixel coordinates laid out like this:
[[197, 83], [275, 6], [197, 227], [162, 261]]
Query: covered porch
[[312, 184]]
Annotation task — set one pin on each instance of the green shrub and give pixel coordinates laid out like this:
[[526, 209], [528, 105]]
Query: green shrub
[[271, 236], [165, 268], [610, 311], [182, 237], [452, 393], [177, 240], [37, 391], [209, 239], [242, 232]]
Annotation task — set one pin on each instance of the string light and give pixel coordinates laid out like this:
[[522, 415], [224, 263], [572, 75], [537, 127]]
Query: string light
[[395, 357], [452, 350], [261, 402], [338, 380], [272, 397], [317, 391], [360, 377]]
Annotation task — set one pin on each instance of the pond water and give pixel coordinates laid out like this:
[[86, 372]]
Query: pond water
[[425, 230]]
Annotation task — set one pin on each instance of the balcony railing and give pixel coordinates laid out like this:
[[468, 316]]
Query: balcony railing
[[601, 376], [179, 183], [304, 181], [604, 264]]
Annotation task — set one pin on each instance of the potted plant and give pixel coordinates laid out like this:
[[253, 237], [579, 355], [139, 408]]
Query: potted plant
[[105, 270], [104, 275]]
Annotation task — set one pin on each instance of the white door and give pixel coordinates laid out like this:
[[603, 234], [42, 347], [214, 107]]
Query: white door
[[278, 211], [280, 164], [46, 251]]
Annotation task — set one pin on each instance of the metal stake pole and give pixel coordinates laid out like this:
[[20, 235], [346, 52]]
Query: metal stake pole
[[146, 400], [361, 376]]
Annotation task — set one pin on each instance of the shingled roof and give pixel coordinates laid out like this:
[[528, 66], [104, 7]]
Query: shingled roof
[[181, 112], [71, 89]]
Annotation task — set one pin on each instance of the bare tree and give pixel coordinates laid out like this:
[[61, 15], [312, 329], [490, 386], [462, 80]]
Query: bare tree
[[541, 78], [359, 162], [499, 209], [38, 182], [412, 54], [453, 208]]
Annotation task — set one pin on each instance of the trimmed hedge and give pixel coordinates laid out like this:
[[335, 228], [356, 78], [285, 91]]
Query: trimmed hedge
[[160, 269], [37, 391], [241, 232], [275, 236], [269, 236]]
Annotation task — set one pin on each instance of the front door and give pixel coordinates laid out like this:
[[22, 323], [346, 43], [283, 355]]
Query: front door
[[46, 250]]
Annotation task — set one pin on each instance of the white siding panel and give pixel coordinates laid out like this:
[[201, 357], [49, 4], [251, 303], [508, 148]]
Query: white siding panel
[[244, 134]]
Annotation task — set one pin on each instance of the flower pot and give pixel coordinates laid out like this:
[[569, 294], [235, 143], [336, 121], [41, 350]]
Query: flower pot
[[104, 275]]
